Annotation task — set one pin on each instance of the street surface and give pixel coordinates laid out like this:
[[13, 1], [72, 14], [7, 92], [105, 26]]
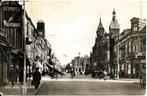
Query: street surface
[[82, 85]]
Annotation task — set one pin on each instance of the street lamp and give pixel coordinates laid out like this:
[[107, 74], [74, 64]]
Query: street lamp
[[24, 86]]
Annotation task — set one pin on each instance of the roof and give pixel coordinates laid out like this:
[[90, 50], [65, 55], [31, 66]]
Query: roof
[[114, 24], [100, 24]]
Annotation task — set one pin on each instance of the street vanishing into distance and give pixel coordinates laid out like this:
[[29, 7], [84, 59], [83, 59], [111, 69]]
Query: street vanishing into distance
[[63, 47], [85, 85]]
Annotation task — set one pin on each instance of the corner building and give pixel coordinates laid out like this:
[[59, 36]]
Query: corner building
[[132, 49]]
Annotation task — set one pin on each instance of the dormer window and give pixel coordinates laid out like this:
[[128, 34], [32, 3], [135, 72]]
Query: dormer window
[[135, 28]]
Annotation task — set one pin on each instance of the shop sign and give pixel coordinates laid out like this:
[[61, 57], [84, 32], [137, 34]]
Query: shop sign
[[11, 8], [7, 24], [12, 16]]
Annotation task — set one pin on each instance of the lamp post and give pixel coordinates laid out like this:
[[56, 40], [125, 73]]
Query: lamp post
[[24, 86]]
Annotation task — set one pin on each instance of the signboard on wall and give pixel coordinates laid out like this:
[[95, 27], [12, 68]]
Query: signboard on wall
[[11, 23], [11, 14]]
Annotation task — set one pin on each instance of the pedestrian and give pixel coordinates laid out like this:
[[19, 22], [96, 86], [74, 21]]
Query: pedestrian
[[105, 74], [101, 74], [12, 75], [52, 73], [72, 73], [36, 78], [56, 74]]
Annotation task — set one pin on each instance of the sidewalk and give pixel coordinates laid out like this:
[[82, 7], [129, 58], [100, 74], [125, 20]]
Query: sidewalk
[[16, 89]]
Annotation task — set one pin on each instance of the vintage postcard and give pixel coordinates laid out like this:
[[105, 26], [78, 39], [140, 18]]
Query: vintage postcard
[[73, 47]]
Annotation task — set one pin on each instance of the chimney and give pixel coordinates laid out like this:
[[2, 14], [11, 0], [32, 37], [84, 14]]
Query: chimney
[[41, 28]]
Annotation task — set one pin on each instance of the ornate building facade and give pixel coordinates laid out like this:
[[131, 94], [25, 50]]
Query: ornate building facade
[[132, 49], [99, 55], [79, 64]]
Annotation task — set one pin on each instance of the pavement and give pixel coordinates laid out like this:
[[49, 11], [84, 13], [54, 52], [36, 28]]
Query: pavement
[[17, 89]]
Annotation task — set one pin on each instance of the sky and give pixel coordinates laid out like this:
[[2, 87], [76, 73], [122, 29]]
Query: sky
[[71, 24]]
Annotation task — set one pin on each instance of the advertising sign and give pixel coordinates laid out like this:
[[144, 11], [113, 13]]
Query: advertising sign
[[12, 15]]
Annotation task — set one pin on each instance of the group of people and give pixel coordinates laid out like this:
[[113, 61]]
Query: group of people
[[54, 73], [13, 76]]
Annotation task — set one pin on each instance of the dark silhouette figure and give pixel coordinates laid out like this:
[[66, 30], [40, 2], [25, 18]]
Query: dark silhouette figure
[[72, 73], [53, 73], [12, 75], [36, 78]]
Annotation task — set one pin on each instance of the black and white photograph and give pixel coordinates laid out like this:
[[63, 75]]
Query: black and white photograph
[[73, 47]]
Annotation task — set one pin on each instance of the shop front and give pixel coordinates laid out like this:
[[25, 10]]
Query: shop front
[[142, 71], [4, 60]]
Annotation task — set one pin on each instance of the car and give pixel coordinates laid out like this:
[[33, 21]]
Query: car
[[97, 74]]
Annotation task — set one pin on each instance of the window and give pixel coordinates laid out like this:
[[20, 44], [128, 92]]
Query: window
[[134, 48], [129, 49], [135, 28]]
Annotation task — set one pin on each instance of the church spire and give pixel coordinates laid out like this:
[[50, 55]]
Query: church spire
[[100, 30], [100, 24]]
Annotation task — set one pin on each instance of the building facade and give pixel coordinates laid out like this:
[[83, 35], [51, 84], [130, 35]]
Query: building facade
[[124, 53], [99, 55], [15, 28], [132, 49], [11, 28], [4, 59], [114, 29], [79, 64]]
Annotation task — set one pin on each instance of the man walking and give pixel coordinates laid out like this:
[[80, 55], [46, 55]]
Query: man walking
[[36, 78]]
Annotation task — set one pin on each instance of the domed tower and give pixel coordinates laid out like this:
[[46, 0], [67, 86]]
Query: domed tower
[[114, 35], [114, 26]]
